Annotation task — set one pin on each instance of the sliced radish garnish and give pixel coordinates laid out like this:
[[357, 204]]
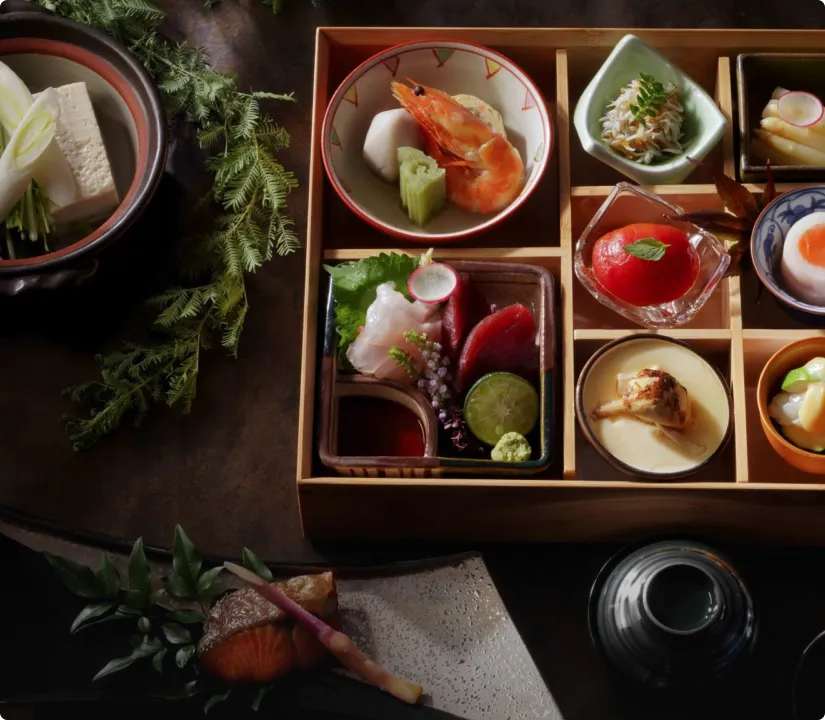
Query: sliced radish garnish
[[433, 283], [800, 108]]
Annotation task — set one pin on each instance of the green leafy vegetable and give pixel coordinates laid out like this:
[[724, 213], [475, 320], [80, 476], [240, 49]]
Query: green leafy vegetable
[[354, 288], [253, 563], [250, 191], [647, 249]]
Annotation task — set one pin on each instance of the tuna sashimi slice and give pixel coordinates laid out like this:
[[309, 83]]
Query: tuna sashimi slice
[[502, 342], [465, 308]]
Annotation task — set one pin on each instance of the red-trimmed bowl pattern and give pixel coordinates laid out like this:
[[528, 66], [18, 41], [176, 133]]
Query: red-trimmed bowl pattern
[[454, 67], [49, 51]]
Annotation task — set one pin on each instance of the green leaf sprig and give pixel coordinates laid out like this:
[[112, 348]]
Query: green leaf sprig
[[250, 191], [651, 98], [647, 249], [169, 616]]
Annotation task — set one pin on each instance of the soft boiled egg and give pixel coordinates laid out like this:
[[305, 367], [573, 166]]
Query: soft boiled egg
[[803, 259]]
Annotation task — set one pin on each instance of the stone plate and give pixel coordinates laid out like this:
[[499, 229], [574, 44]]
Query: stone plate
[[440, 623]]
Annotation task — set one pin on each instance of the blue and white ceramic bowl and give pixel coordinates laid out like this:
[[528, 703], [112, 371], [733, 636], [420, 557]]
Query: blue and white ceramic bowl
[[768, 239]]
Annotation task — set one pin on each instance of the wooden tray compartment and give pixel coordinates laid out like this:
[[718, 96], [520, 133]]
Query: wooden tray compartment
[[748, 494]]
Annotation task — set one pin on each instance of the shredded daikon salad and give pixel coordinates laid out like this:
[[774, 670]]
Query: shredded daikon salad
[[644, 123]]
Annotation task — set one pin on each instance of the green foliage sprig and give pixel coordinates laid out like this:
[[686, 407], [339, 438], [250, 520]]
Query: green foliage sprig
[[169, 614], [651, 98], [250, 190]]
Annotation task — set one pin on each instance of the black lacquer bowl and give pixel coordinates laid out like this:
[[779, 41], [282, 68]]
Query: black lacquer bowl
[[672, 614]]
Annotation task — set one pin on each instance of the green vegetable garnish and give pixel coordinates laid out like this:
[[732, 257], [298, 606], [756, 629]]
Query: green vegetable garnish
[[652, 97], [647, 249], [423, 185], [354, 286]]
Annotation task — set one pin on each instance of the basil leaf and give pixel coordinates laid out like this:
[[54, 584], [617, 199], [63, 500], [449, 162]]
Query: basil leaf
[[214, 700], [109, 576], [176, 634], [157, 660], [78, 579], [259, 698], [186, 560], [647, 249], [140, 586], [89, 613], [254, 564], [184, 655], [207, 580], [187, 617]]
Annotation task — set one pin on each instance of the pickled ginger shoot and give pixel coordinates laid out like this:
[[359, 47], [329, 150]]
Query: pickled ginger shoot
[[644, 123], [423, 185], [799, 409]]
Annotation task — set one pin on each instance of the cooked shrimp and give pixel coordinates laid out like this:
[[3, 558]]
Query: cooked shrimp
[[485, 172]]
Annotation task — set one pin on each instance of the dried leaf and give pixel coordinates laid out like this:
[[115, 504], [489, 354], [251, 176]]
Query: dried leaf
[[737, 197]]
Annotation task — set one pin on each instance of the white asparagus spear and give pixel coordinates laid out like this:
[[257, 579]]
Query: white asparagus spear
[[797, 153], [336, 642], [802, 135], [26, 147], [52, 171]]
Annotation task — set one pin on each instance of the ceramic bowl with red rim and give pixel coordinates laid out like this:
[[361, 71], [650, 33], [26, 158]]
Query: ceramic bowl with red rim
[[456, 68], [47, 51]]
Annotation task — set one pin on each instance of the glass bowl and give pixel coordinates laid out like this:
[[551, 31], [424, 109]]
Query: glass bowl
[[628, 204]]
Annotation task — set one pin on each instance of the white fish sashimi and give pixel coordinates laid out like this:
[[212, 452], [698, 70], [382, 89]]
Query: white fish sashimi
[[388, 318]]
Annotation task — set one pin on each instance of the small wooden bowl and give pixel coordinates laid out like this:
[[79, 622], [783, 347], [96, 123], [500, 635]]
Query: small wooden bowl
[[789, 357]]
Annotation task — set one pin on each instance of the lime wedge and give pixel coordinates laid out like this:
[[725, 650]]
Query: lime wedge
[[500, 403], [797, 380]]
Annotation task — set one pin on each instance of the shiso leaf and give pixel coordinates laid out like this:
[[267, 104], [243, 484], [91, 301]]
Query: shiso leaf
[[254, 564], [354, 287]]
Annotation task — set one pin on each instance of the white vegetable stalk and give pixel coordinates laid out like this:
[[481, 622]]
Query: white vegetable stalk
[[27, 145], [52, 172]]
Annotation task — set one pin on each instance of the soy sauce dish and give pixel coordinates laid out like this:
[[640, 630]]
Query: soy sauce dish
[[110, 131], [653, 407]]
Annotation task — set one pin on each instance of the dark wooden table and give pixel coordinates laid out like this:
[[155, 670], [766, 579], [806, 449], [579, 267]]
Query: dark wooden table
[[227, 472]]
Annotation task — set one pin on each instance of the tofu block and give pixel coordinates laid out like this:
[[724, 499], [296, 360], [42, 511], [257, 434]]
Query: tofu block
[[78, 137]]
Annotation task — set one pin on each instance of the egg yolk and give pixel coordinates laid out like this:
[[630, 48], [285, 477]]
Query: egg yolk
[[812, 245]]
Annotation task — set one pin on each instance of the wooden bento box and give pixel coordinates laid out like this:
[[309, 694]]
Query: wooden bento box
[[747, 494]]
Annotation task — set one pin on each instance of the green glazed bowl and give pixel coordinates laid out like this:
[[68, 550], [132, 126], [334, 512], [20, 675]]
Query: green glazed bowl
[[704, 123]]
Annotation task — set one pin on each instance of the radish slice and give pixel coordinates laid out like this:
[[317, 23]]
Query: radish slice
[[800, 108], [433, 283]]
